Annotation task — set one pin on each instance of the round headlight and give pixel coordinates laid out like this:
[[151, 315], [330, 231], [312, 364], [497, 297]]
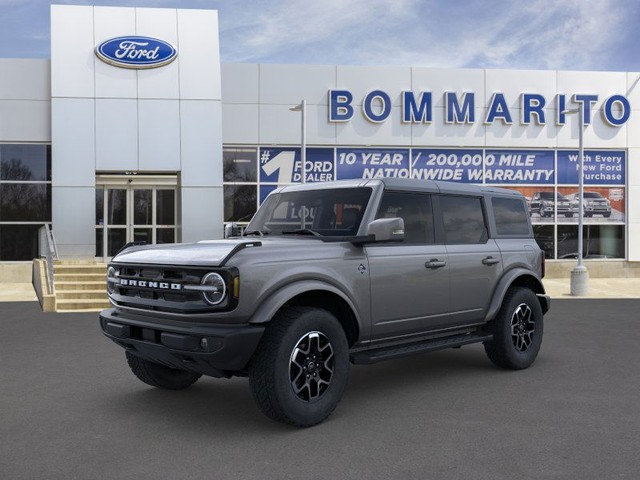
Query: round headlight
[[215, 288], [111, 279]]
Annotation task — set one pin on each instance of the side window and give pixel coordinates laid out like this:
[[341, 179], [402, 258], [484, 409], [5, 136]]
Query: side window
[[415, 210], [511, 216], [463, 219]]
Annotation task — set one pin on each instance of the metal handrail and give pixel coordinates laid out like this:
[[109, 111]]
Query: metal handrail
[[49, 251]]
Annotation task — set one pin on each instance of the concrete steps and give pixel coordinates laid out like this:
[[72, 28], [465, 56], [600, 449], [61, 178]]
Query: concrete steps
[[85, 305], [80, 286], [80, 269], [101, 285], [80, 294]]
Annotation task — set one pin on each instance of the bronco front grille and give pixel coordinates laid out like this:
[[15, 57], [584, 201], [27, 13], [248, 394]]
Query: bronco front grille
[[161, 288]]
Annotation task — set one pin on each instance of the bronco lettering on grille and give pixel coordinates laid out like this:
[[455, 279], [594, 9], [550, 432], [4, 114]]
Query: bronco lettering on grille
[[149, 284]]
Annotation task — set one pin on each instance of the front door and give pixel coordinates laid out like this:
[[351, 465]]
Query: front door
[[133, 212]]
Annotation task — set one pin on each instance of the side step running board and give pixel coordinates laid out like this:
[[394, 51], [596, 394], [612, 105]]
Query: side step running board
[[397, 351]]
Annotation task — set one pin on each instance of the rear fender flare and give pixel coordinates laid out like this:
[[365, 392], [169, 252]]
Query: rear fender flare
[[505, 283]]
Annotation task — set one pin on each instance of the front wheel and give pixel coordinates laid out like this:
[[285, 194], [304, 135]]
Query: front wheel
[[160, 376], [517, 330], [300, 368]]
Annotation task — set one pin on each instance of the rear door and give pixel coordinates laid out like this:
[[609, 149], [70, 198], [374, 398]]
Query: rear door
[[409, 280], [475, 262]]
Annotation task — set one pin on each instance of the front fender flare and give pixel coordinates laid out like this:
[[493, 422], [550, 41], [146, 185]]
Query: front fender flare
[[503, 285], [271, 305]]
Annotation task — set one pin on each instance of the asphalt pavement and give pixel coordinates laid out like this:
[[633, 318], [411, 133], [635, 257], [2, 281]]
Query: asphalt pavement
[[71, 409]]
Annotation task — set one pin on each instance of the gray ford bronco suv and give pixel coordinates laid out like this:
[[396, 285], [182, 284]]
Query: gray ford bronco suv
[[327, 274]]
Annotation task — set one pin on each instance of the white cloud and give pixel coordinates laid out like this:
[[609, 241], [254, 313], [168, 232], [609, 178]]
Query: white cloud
[[547, 34], [284, 26], [535, 34]]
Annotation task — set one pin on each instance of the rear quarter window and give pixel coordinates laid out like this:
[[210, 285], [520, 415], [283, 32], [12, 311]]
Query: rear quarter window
[[511, 216]]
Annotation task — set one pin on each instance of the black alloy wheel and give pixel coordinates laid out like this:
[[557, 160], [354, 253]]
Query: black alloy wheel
[[522, 327], [517, 330], [311, 366], [301, 366]]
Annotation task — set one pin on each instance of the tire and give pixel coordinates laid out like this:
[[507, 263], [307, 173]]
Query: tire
[[160, 376], [568, 215], [606, 214], [294, 342], [588, 215], [517, 330], [542, 214]]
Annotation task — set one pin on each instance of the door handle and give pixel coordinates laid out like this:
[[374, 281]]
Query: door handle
[[435, 263], [490, 260]]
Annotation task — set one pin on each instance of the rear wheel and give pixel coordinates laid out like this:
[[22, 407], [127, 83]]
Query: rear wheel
[[300, 369], [517, 330], [160, 376]]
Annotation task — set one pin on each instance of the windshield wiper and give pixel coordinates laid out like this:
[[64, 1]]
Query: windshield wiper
[[302, 231], [255, 232]]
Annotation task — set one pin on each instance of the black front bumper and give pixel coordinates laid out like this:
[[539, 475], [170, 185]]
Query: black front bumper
[[214, 350]]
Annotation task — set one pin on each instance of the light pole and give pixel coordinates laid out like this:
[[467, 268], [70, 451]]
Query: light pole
[[302, 107], [580, 274]]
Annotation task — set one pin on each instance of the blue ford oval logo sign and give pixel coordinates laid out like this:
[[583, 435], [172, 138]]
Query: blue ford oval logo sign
[[136, 52]]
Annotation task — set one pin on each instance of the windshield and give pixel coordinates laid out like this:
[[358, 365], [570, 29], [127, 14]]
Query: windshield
[[549, 196], [324, 212], [592, 195]]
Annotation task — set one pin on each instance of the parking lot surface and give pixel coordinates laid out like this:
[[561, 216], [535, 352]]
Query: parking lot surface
[[70, 408]]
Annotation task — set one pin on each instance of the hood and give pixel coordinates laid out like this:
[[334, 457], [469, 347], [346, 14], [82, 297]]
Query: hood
[[213, 253]]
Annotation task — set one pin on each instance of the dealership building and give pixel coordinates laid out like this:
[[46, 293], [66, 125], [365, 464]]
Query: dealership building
[[134, 131]]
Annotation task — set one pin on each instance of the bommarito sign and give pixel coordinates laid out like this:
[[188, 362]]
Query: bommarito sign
[[459, 108]]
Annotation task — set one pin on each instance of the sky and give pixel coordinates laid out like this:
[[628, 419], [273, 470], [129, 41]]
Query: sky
[[531, 34]]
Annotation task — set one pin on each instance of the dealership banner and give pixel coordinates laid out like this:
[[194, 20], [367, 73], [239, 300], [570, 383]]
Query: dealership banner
[[447, 164], [372, 163], [284, 165], [601, 167], [519, 167]]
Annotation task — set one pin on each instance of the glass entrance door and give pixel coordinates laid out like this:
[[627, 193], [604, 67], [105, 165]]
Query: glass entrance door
[[133, 213], [142, 206]]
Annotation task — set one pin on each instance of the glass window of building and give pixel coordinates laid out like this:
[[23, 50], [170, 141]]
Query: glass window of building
[[545, 238], [25, 199], [599, 242], [239, 164], [240, 177], [240, 202]]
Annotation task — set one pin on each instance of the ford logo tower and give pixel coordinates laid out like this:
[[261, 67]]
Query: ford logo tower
[[136, 52]]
